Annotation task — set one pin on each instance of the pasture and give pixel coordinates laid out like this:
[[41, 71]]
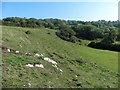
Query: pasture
[[81, 66]]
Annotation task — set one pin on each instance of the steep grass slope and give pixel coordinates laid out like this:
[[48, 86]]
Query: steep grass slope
[[82, 66]]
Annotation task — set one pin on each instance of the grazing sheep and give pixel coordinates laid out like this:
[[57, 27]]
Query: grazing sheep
[[39, 65], [49, 60], [38, 55], [29, 84], [28, 54], [17, 52], [42, 55], [12, 50], [8, 50], [29, 65], [61, 70], [55, 66]]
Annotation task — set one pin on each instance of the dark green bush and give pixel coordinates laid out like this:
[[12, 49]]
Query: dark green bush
[[105, 46], [28, 32]]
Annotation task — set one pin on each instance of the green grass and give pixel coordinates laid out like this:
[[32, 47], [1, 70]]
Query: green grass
[[99, 70]]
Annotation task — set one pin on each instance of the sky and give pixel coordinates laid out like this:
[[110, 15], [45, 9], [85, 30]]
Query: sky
[[84, 11]]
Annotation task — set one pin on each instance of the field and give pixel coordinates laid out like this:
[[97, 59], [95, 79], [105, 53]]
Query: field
[[82, 67]]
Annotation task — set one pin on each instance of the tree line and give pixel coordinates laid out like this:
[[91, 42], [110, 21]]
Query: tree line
[[108, 32]]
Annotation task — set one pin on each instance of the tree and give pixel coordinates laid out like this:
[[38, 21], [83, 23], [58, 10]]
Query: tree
[[0, 22], [118, 35], [23, 22], [110, 37], [89, 32]]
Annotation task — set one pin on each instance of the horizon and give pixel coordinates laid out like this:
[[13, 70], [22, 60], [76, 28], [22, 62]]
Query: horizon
[[62, 19], [78, 11]]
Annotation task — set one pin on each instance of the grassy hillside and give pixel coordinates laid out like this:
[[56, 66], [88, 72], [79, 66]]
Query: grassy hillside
[[82, 66]]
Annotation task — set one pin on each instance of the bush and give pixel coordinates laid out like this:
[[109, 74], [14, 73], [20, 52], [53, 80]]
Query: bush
[[62, 37], [99, 45], [73, 39], [70, 38], [28, 32]]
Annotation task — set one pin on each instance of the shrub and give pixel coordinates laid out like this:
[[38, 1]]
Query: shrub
[[28, 32], [105, 46], [73, 39]]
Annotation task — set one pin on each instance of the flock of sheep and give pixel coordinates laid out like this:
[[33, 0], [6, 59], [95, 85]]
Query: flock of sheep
[[54, 63]]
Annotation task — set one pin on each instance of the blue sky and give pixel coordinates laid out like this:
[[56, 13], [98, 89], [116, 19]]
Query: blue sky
[[85, 11]]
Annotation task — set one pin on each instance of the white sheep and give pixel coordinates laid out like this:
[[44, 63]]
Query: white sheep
[[42, 55], [38, 55], [17, 51], [50, 60], [61, 70], [39, 65], [55, 66], [27, 53], [29, 65], [29, 84], [8, 50]]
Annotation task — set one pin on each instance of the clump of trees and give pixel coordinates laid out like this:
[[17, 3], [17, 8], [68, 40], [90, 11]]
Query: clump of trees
[[110, 37], [88, 32], [118, 35], [108, 42]]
